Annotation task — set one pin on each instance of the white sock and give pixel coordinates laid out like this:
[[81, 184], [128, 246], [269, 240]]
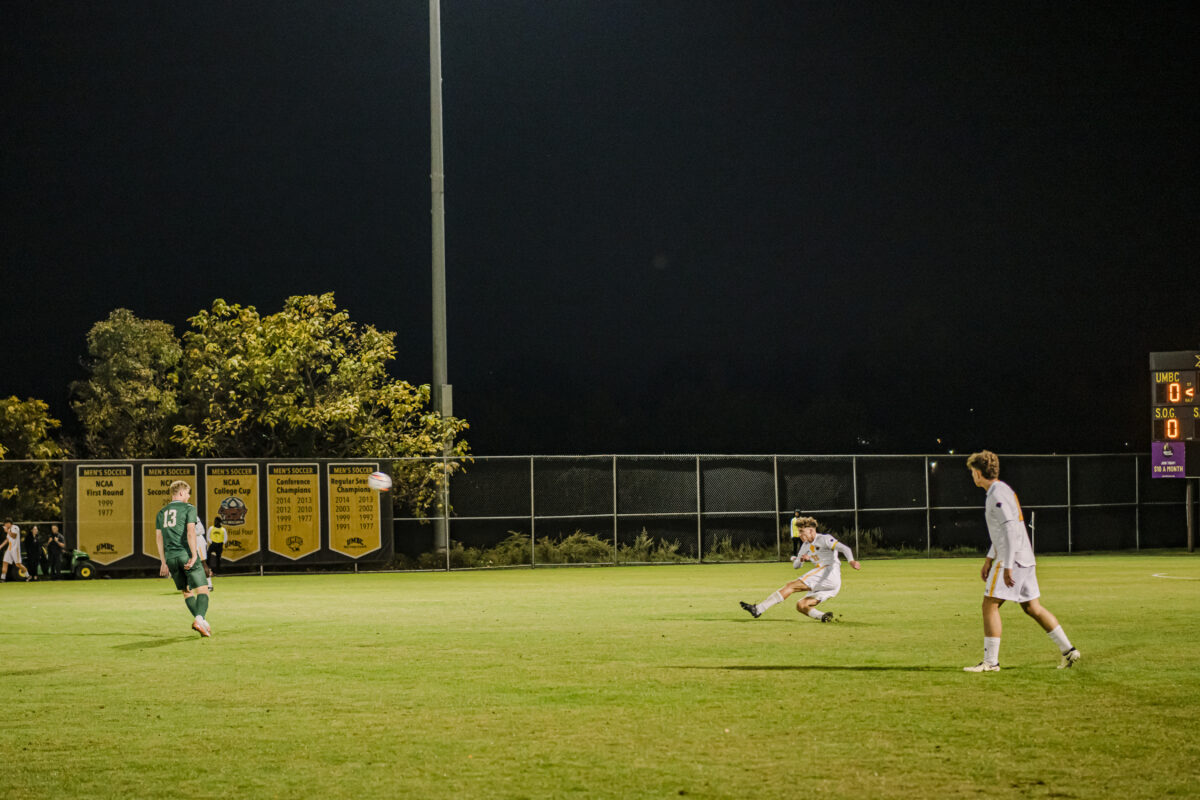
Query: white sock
[[199, 618], [774, 599], [1059, 638], [991, 649], [210, 583], [812, 612]]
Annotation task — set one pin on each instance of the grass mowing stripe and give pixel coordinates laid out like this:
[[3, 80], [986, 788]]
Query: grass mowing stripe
[[630, 682]]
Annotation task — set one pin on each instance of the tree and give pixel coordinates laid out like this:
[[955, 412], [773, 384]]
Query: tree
[[308, 382], [29, 491], [129, 404]]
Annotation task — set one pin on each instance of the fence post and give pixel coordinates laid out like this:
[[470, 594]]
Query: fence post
[[1069, 508], [614, 476], [928, 515], [446, 505], [532, 518], [1137, 504], [854, 473], [699, 527], [778, 533]]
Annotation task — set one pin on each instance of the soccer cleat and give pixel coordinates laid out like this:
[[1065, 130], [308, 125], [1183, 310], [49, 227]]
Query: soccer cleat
[[202, 627], [753, 609], [983, 666], [827, 616], [1069, 658]]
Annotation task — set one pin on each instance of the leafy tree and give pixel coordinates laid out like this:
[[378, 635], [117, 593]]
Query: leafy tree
[[29, 491], [308, 382], [129, 404]]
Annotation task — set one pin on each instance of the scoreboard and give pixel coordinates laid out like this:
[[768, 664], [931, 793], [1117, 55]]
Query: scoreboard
[[1175, 396]]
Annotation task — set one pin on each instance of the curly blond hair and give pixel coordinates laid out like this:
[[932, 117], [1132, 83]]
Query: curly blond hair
[[987, 462], [806, 522]]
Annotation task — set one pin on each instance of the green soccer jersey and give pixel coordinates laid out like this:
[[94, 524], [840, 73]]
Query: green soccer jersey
[[173, 520]]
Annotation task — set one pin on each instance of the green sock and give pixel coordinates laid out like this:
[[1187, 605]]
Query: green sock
[[202, 604], [191, 604]]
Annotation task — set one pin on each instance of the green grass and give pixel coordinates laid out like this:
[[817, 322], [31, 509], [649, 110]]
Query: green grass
[[603, 683]]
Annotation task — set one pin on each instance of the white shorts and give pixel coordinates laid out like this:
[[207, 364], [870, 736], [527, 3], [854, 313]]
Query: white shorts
[[822, 582], [1024, 588], [12, 556]]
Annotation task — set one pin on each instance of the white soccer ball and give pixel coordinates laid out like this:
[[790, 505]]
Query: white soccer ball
[[379, 481]]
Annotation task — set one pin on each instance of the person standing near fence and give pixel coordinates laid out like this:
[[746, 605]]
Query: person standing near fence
[[175, 536], [216, 545], [33, 552], [796, 540], [55, 544], [1010, 571]]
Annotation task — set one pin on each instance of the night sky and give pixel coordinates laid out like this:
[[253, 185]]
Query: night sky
[[672, 225]]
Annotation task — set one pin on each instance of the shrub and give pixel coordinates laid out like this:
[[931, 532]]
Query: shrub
[[648, 550], [722, 548]]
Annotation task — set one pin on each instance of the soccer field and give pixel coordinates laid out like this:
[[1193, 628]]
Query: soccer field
[[604, 683]]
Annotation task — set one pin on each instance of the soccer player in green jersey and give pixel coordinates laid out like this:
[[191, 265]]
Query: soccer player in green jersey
[[175, 535]]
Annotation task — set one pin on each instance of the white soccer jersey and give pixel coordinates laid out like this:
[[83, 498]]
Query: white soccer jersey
[[824, 549], [1006, 527], [12, 553], [201, 541]]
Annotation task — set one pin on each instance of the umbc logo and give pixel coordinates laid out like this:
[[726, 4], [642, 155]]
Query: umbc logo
[[105, 547], [235, 544], [294, 543], [233, 511], [1168, 451], [355, 541]]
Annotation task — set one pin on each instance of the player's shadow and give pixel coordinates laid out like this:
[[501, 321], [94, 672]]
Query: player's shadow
[[783, 620], [828, 668], [149, 643]]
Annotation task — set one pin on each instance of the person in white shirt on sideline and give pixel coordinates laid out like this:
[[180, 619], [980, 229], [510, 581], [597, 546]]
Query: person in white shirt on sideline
[[1010, 571], [821, 583]]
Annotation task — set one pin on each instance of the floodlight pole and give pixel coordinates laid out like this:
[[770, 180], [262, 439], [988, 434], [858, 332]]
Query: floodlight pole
[[440, 392]]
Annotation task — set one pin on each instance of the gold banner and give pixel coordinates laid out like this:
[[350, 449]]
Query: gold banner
[[293, 509], [156, 488], [104, 511], [354, 518], [231, 492]]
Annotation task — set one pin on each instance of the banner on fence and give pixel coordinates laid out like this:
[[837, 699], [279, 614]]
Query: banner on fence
[[312, 511]]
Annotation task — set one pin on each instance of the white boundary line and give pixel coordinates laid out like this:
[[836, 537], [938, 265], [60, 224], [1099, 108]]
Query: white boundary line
[[1174, 577]]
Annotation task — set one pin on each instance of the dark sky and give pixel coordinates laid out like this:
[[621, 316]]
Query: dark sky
[[672, 225]]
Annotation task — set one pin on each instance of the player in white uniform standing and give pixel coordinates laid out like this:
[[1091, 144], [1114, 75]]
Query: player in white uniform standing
[[1010, 571], [12, 552], [822, 582], [202, 551]]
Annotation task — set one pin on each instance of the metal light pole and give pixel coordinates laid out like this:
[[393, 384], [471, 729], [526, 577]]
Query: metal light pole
[[440, 392]]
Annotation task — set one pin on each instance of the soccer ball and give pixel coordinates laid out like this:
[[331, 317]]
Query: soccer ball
[[379, 481]]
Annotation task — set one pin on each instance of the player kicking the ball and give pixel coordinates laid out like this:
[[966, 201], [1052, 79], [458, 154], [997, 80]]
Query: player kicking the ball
[[175, 535], [821, 583], [1009, 572]]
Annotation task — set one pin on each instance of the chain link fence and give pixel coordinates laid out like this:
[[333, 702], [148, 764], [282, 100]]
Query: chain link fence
[[602, 509], [650, 508]]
